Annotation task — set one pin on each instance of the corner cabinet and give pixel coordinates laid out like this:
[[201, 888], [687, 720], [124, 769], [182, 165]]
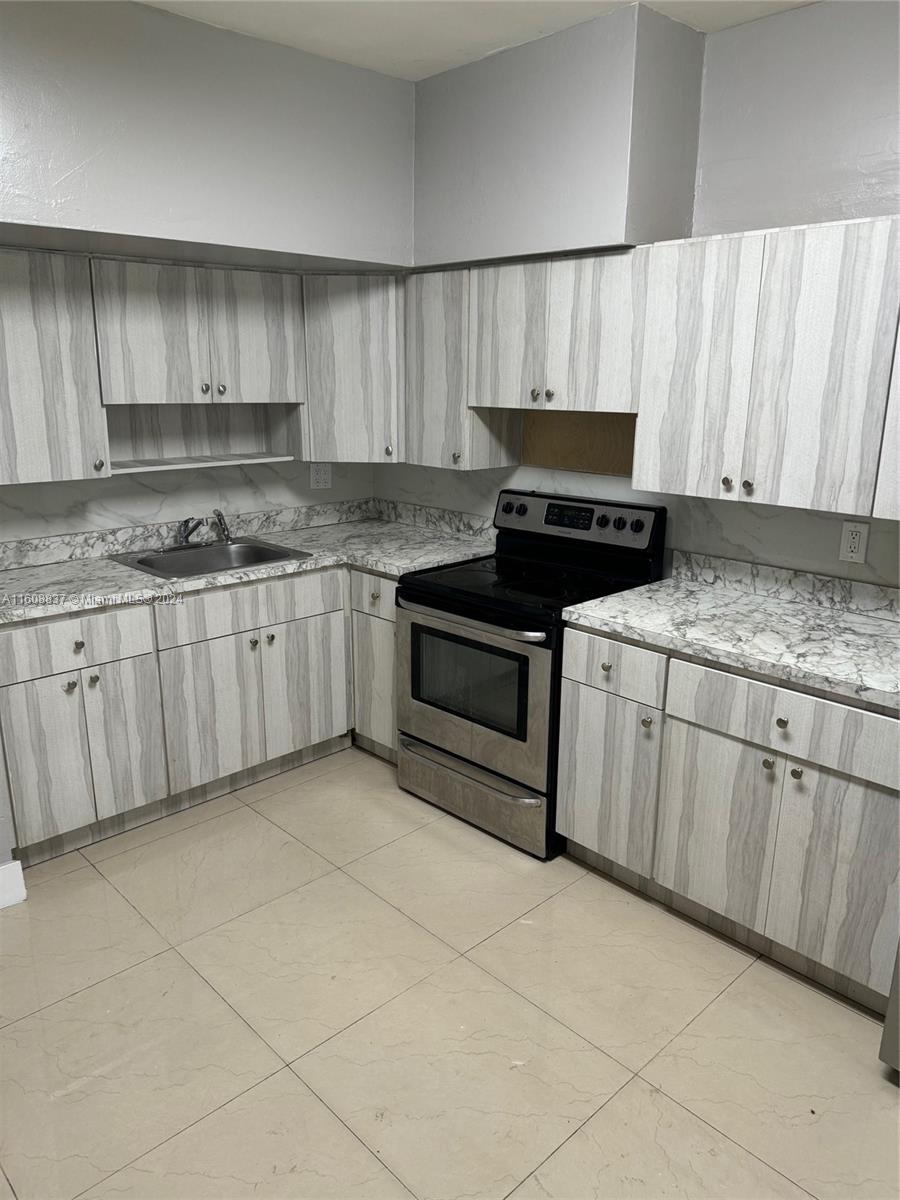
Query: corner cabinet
[[353, 340], [374, 644], [51, 421]]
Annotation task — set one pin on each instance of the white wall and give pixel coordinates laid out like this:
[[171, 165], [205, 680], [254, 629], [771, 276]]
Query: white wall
[[782, 537], [125, 119], [799, 118]]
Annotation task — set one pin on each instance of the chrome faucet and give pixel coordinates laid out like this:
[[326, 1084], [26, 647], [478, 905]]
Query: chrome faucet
[[223, 524], [187, 528]]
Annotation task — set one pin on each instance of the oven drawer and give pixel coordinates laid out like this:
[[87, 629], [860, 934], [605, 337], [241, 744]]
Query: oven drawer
[[516, 814], [373, 594], [628, 671]]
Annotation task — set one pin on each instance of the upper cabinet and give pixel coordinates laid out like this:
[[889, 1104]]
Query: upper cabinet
[[557, 335], [353, 339], [51, 422], [887, 489], [191, 335], [441, 430]]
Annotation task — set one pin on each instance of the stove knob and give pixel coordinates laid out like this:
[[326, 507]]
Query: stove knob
[[619, 523], [521, 510], [637, 525], [508, 506], [602, 521]]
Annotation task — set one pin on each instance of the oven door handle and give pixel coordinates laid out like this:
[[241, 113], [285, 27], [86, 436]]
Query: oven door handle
[[514, 635], [513, 796]]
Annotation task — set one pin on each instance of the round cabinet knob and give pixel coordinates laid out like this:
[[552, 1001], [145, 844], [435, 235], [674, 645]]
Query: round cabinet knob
[[456, 456], [619, 523], [389, 450], [781, 722], [646, 722], [796, 772], [747, 485], [78, 646], [374, 597], [221, 389], [549, 393], [93, 680], [606, 668], [270, 638], [769, 764], [204, 388], [99, 464], [70, 686], [727, 483], [254, 642], [535, 393]]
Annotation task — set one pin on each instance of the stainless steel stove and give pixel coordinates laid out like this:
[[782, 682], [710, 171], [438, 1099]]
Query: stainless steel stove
[[479, 656]]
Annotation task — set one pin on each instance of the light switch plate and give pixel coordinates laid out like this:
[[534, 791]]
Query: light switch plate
[[320, 475], [854, 541]]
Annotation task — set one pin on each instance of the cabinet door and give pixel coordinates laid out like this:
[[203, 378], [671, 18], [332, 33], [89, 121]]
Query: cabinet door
[[257, 340], [437, 339], [374, 691], [834, 891], [821, 366], [47, 755], [608, 774], [213, 707], [699, 324], [508, 335], [51, 422], [123, 709], [887, 489], [305, 682], [153, 333], [596, 328], [718, 811], [354, 367]]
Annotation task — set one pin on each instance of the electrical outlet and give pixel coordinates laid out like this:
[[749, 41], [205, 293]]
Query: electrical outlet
[[320, 475], [854, 540]]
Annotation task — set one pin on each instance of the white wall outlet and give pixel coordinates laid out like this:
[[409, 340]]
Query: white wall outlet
[[320, 475], [854, 540]]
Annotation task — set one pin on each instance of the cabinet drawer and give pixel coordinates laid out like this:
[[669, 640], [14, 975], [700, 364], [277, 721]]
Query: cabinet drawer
[[32, 651], [615, 667], [304, 595], [373, 594], [861, 744], [208, 615]]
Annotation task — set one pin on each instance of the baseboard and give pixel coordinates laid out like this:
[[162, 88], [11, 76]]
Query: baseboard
[[12, 884], [388, 753]]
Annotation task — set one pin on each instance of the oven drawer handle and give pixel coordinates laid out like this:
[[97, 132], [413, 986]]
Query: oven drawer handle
[[514, 635], [510, 797]]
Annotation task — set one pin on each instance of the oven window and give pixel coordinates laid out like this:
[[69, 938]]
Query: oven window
[[480, 683]]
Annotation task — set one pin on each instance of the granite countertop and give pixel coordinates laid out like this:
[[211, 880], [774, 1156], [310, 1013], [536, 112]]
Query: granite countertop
[[29, 593], [842, 653]]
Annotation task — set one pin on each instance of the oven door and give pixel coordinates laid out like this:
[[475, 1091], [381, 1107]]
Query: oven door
[[480, 692]]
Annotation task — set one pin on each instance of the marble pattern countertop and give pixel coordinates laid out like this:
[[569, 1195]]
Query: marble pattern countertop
[[839, 653], [30, 593]]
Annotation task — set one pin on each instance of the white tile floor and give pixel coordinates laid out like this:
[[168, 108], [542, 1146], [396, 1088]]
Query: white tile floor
[[323, 987]]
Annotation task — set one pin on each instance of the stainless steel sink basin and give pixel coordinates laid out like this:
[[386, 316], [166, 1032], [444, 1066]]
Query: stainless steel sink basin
[[180, 562]]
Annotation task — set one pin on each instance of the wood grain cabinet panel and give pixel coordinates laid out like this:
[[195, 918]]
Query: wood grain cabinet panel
[[718, 814], [123, 711], [152, 332], [596, 330], [51, 420], [355, 368], [508, 315], [302, 595], [699, 324], [608, 775], [887, 487], [373, 594], [305, 682], [213, 708], [374, 689], [629, 671], [834, 894], [821, 366], [45, 648], [208, 615], [45, 736], [257, 340]]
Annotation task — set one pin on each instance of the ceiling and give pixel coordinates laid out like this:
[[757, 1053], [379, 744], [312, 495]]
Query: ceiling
[[413, 39]]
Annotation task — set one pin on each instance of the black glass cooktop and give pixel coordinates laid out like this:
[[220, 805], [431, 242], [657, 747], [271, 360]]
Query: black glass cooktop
[[520, 582]]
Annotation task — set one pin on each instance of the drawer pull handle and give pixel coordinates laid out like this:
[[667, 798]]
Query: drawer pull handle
[[535, 393], [646, 722], [254, 642], [796, 772], [70, 686], [221, 389], [747, 485], [606, 668], [726, 482], [769, 764], [270, 638], [781, 722], [79, 646], [93, 680], [375, 597]]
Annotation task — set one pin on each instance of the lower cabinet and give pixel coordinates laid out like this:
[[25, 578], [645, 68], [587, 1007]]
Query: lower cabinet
[[125, 734], [718, 815], [608, 774], [305, 686], [373, 679], [834, 894], [213, 705]]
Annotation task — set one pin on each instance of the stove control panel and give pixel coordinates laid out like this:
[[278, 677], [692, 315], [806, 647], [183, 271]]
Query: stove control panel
[[597, 521]]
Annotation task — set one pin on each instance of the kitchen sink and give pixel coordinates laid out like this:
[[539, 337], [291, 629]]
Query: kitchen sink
[[180, 562]]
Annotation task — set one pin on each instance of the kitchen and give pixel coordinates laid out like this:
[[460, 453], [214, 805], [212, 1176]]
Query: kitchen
[[448, 611]]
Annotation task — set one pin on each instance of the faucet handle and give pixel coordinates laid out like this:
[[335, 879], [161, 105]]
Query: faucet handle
[[223, 524]]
